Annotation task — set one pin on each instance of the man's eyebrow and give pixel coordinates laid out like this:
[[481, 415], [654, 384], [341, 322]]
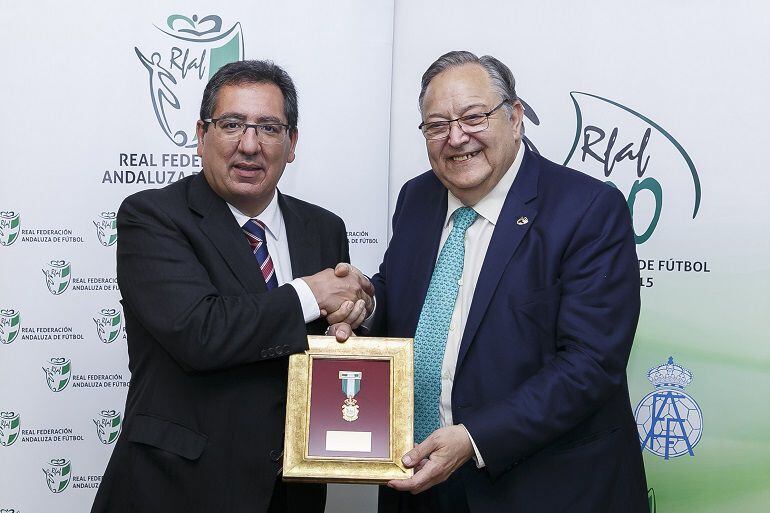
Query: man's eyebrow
[[240, 117], [441, 117]]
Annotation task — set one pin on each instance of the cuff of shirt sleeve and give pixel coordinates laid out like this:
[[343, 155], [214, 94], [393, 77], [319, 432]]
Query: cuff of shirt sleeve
[[477, 455], [310, 310]]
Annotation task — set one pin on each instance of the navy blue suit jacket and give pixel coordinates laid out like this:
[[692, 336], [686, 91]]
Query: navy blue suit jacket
[[540, 381]]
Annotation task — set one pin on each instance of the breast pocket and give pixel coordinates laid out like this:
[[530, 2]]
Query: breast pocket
[[540, 295]]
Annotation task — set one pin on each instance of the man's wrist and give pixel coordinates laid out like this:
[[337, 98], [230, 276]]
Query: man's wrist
[[307, 300]]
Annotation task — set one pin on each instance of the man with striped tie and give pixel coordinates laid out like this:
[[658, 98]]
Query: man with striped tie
[[222, 278]]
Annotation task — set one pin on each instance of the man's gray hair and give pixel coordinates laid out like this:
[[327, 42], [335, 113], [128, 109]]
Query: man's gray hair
[[252, 72], [500, 75]]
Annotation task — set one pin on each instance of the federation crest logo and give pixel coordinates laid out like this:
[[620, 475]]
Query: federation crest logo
[[10, 325], [670, 422], [58, 374], [193, 49], [10, 226], [57, 475], [107, 228], [108, 425], [635, 154], [109, 325], [57, 276], [10, 426]]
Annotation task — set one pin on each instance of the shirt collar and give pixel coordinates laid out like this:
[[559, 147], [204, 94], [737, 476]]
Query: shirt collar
[[490, 206], [270, 217]]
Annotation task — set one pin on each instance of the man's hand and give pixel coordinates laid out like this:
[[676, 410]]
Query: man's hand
[[341, 331], [331, 290], [434, 460], [350, 313]]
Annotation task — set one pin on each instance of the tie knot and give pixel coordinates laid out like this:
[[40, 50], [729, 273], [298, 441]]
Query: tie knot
[[464, 217], [256, 228]]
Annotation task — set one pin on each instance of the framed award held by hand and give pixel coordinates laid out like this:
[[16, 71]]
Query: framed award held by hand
[[349, 411]]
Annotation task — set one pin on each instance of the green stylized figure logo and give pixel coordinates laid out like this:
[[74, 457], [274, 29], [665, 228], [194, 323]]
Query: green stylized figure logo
[[192, 49]]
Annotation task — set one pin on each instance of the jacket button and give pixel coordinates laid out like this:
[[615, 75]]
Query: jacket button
[[286, 349], [263, 353], [271, 352]]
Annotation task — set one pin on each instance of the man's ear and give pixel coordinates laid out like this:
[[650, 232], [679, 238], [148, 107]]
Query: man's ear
[[293, 136], [200, 127]]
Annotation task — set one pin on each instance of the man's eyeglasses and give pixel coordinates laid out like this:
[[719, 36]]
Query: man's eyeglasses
[[469, 124], [233, 129]]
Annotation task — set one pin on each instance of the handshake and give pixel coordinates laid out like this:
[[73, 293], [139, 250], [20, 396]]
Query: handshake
[[344, 296]]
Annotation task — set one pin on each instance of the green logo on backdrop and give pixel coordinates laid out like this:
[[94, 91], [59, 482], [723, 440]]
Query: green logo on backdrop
[[611, 136], [57, 276], [178, 69], [108, 425], [10, 426], [10, 226], [58, 474], [107, 228], [10, 325], [109, 325], [58, 374]]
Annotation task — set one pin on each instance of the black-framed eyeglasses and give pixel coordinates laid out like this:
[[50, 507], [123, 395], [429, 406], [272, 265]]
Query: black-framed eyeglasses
[[470, 124], [230, 129]]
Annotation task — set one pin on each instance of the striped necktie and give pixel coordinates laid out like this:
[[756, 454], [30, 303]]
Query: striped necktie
[[255, 234], [433, 326]]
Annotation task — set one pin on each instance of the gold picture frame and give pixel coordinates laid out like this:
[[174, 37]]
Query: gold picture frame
[[326, 438]]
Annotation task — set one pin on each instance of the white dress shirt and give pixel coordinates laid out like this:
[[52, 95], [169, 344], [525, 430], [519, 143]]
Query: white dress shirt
[[477, 239], [278, 247]]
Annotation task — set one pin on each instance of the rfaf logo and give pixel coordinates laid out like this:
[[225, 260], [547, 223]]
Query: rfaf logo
[[108, 425], [58, 374], [633, 153], [10, 325], [670, 422], [57, 276], [57, 475], [107, 228], [10, 426], [10, 226], [109, 325], [180, 64]]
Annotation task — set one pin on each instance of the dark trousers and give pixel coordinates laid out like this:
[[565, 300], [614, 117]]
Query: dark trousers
[[297, 498], [446, 497]]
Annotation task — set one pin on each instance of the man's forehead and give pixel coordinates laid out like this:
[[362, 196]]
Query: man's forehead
[[252, 98], [464, 86]]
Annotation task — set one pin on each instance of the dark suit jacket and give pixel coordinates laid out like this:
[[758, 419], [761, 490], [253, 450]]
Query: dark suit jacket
[[208, 346], [540, 381]]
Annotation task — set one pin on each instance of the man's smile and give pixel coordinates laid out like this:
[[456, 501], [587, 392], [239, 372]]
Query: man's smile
[[465, 156]]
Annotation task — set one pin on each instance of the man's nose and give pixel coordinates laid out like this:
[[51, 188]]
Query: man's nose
[[457, 137], [249, 142]]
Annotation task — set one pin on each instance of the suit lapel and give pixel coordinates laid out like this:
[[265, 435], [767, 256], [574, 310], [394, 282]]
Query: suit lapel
[[303, 240], [423, 246], [218, 224], [506, 238]]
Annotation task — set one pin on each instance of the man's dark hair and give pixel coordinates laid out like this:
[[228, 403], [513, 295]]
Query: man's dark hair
[[500, 75], [252, 72]]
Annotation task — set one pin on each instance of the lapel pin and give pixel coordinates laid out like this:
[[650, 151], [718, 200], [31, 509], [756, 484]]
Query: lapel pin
[[522, 221]]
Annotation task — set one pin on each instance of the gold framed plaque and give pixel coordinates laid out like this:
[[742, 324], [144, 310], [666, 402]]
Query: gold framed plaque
[[349, 411]]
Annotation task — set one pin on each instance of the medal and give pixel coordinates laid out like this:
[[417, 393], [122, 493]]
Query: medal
[[351, 384]]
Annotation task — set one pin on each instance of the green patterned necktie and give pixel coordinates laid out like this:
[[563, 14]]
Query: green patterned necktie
[[433, 326]]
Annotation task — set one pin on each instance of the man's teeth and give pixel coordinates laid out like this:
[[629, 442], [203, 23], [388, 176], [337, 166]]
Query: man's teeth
[[460, 158]]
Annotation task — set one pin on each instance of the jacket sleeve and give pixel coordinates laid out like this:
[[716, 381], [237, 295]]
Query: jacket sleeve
[[169, 291]]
